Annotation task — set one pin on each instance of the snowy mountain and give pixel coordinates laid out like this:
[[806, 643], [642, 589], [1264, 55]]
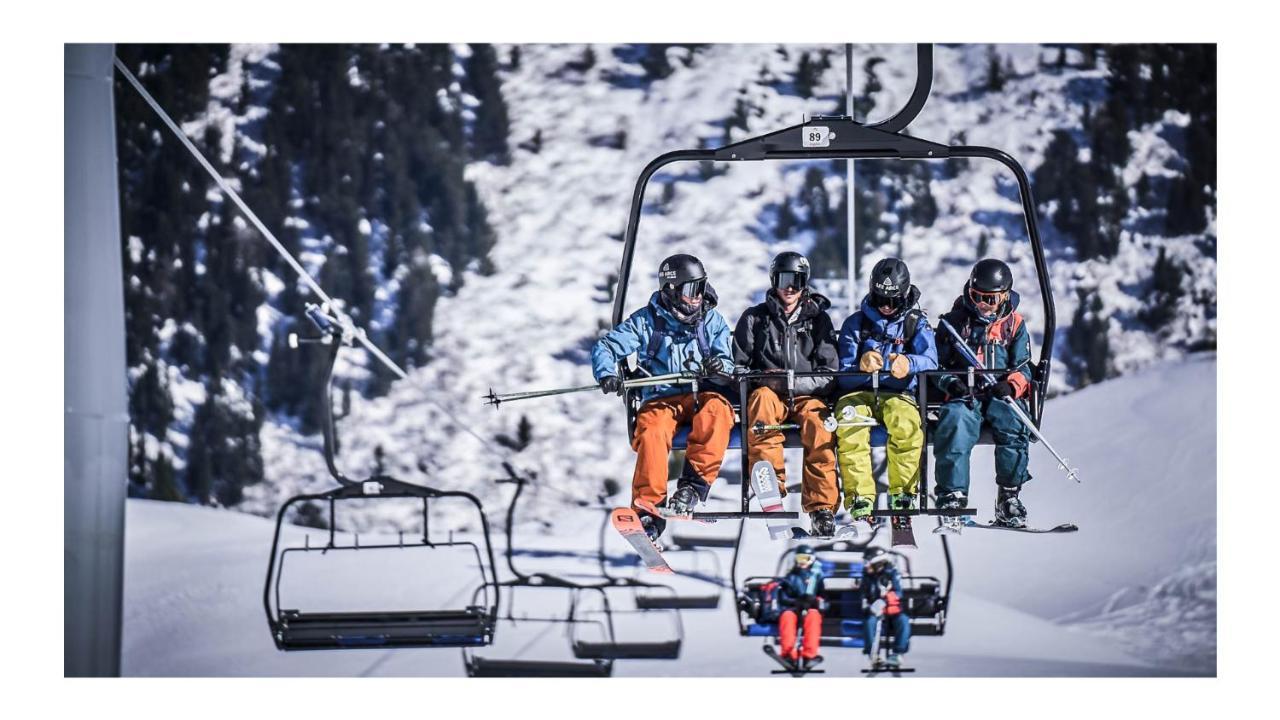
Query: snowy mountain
[[1132, 593]]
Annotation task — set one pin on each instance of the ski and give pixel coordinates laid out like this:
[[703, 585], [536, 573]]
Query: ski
[[903, 534], [791, 667], [764, 481], [666, 513], [991, 525], [627, 523], [949, 525]]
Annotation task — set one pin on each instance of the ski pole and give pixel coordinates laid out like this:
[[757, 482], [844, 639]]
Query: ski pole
[[829, 424], [987, 381], [496, 399]]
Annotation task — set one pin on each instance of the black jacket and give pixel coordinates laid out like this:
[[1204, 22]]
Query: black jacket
[[764, 340]]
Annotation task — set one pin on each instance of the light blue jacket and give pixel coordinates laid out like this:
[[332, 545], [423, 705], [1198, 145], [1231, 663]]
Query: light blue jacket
[[678, 349]]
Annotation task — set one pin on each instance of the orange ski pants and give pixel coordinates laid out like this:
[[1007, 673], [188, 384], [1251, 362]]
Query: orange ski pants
[[810, 638], [819, 489], [656, 424]]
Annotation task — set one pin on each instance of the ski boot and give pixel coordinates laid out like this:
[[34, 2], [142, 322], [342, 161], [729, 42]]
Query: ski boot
[[683, 501], [653, 527], [808, 664], [951, 524], [951, 501], [822, 523], [894, 660], [1010, 511], [902, 502], [861, 509]]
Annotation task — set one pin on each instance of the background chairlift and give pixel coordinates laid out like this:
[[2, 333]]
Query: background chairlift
[[591, 629], [658, 596], [294, 629], [925, 599], [836, 138]]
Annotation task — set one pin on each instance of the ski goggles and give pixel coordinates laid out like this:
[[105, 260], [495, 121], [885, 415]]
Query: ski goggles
[[985, 298], [879, 301], [790, 280], [692, 288], [805, 559]]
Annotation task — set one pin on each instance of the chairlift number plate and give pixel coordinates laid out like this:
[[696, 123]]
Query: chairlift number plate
[[816, 136]]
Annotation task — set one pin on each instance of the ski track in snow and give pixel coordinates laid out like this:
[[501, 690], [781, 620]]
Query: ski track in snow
[[1132, 593]]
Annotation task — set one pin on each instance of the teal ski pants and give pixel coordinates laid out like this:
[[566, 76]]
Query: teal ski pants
[[959, 423]]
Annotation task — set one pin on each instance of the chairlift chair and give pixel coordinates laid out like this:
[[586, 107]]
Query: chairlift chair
[[833, 138], [296, 629]]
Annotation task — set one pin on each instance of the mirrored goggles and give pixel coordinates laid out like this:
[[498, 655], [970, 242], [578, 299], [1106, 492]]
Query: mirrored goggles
[[693, 288], [985, 298], [879, 301], [790, 280]]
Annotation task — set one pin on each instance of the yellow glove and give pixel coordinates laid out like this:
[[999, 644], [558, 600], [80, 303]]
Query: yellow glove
[[899, 366], [870, 362]]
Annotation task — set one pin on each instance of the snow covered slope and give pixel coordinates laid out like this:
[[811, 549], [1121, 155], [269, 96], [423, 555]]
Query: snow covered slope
[[1132, 593]]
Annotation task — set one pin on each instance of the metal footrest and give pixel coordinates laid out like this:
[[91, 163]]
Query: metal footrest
[[436, 628], [926, 511]]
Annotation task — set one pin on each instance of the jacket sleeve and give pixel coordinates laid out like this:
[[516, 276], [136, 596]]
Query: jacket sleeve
[[924, 349], [847, 349], [1020, 357], [720, 338], [948, 359], [615, 345], [744, 340], [824, 356], [897, 583]]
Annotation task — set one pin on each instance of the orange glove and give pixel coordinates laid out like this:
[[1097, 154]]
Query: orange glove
[[899, 366], [871, 361]]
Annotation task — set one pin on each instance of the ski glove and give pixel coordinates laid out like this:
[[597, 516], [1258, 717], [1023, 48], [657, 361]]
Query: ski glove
[[715, 366], [1001, 390], [611, 385], [877, 607], [899, 366], [871, 362]]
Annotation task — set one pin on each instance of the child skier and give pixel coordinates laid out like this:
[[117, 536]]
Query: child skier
[[889, 332], [791, 330], [678, 331], [801, 593], [986, 316], [882, 596]]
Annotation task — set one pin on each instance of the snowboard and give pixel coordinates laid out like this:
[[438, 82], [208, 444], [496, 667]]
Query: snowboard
[[764, 481], [884, 667], [627, 523], [991, 525]]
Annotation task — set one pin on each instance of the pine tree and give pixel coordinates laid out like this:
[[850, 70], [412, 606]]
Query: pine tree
[[995, 72], [492, 127], [1088, 339]]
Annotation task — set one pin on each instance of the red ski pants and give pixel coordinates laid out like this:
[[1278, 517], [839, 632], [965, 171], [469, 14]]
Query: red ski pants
[[811, 636]]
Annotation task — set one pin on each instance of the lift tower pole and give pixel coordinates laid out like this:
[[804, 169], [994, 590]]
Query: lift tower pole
[[95, 419]]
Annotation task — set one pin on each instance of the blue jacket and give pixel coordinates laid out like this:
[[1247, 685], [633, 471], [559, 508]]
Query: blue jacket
[[885, 338], [800, 583], [668, 354], [873, 588]]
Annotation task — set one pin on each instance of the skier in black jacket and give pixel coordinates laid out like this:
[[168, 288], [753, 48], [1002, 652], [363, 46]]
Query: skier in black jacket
[[791, 330]]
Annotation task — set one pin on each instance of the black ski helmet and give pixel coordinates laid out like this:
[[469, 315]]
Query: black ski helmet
[[804, 549], [991, 275], [789, 262], [679, 276], [679, 269], [890, 278]]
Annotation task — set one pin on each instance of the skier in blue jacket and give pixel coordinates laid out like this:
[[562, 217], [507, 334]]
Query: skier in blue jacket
[[678, 331], [882, 597], [889, 332]]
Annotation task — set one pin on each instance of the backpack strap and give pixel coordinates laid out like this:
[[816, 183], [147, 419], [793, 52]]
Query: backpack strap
[[661, 330], [910, 326]]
